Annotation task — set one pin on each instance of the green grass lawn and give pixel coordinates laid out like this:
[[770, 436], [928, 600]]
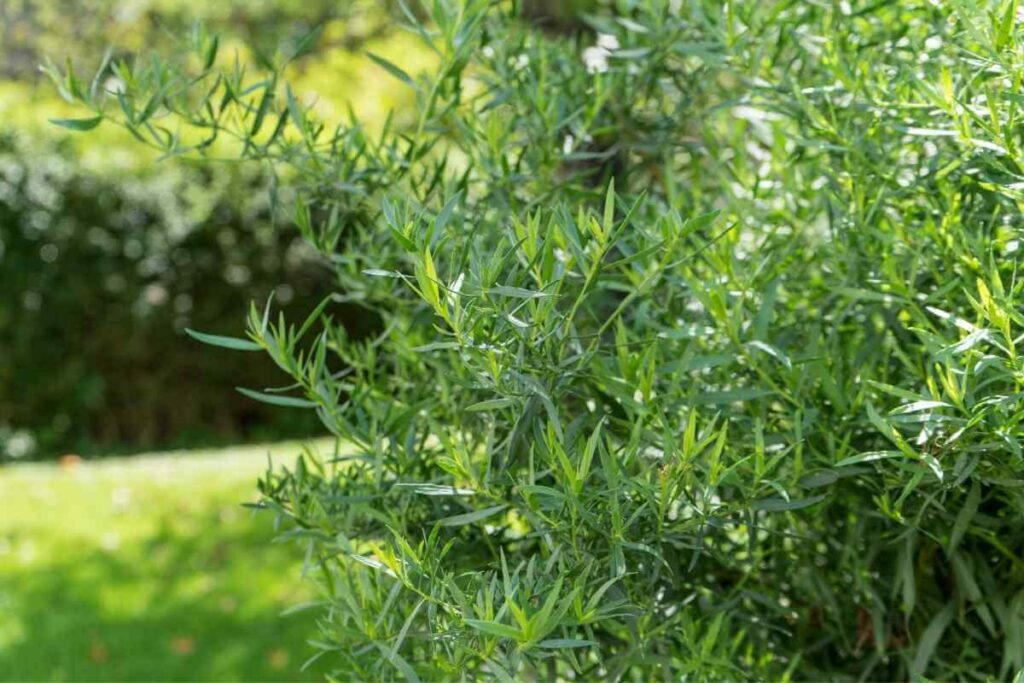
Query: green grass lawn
[[147, 568]]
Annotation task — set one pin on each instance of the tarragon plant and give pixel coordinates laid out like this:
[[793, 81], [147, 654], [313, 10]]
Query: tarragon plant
[[695, 349]]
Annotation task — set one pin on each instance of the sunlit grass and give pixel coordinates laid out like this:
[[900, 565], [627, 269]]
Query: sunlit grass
[[147, 569]]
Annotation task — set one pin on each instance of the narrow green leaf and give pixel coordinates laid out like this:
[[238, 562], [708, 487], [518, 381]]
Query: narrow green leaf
[[819, 479], [392, 69], [224, 342], [493, 628], [771, 351], [868, 457], [80, 125], [783, 505], [435, 489], [711, 637], [516, 292], [429, 282], [394, 657], [398, 662], [274, 399], [906, 577], [294, 110], [493, 404], [731, 395], [470, 517], [406, 243], [930, 639], [934, 465], [766, 311], [437, 346], [565, 643], [264, 107], [868, 295], [609, 207], [211, 53], [919, 406], [964, 517], [313, 316], [100, 72], [896, 391]]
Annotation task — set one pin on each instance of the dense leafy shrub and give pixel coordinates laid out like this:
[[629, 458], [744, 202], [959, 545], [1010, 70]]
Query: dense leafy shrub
[[101, 274], [700, 342]]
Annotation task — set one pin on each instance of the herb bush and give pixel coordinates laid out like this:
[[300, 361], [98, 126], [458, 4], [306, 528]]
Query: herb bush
[[697, 348]]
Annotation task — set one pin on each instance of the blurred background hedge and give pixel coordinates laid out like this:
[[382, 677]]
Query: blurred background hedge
[[123, 251], [106, 256]]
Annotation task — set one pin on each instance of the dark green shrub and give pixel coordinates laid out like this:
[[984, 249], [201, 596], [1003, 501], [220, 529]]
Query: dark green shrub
[[700, 342], [199, 244], [101, 274]]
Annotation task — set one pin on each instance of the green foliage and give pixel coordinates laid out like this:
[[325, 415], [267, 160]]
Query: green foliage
[[698, 348]]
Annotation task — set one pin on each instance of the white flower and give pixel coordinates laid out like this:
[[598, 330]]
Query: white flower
[[114, 85], [488, 52], [457, 285], [456, 288], [568, 144], [608, 42], [596, 59]]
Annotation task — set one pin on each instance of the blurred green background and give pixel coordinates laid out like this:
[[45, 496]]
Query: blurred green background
[[150, 568], [106, 255]]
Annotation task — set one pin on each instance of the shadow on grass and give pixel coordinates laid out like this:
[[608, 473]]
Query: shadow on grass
[[199, 599]]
